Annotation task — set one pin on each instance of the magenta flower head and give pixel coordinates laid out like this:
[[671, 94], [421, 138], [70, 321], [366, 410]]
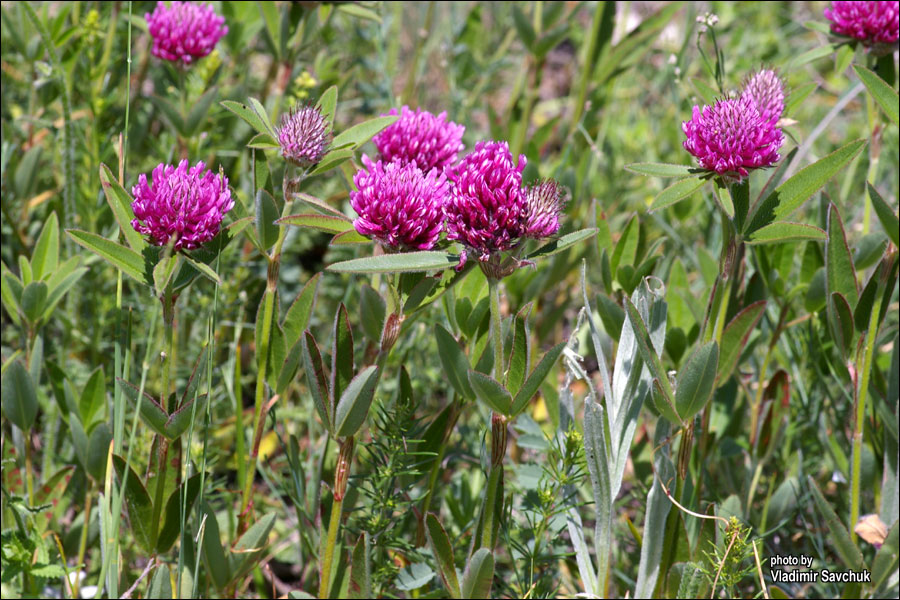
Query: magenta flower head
[[399, 205], [487, 209], [546, 200], [420, 137], [875, 24], [766, 90], [731, 137], [184, 31], [183, 203], [303, 136]]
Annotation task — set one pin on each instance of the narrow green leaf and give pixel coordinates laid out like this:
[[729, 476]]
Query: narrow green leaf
[[214, 558], [248, 114], [93, 397], [298, 315], [519, 354], [353, 407], [360, 585], [266, 214], [327, 104], [665, 397], [662, 169], [454, 362], [359, 134], [887, 556], [34, 299], [479, 575], [317, 380], [676, 192], [696, 381], [126, 260], [840, 318], [153, 414], [406, 262], [204, 268], [180, 420], [488, 390], [563, 243], [173, 516], [534, 381], [723, 198], [332, 159], [163, 272], [784, 231], [341, 353], [840, 537], [625, 252], [325, 223], [373, 310], [790, 195], [735, 336], [886, 215], [140, 507], [161, 583], [263, 141], [351, 236], [320, 205], [883, 94], [249, 548], [45, 257], [19, 400], [443, 554], [840, 275]]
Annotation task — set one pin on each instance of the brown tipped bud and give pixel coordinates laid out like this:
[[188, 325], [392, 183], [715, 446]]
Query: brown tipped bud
[[342, 470], [391, 331], [498, 439]]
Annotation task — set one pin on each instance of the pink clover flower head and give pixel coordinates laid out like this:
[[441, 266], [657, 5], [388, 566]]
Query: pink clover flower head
[[422, 138], [487, 210], [731, 138], [872, 23], [303, 136], [546, 200], [399, 205], [766, 89], [187, 204], [184, 31]]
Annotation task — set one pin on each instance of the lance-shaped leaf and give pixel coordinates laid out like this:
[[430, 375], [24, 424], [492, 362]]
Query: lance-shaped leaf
[[153, 414], [840, 274], [125, 259], [299, 313], [249, 548], [479, 575], [791, 194], [443, 554], [454, 361], [341, 353], [840, 537], [120, 202], [317, 380], [359, 134], [327, 104], [140, 507], [886, 215], [563, 243], [349, 237], [373, 309], [664, 399], [353, 407], [266, 214], [174, 517], [696, 381], [326, 223], [19, 399], [676, 192], [534, 381], [883, 94], [45, 257], [406, 262], [662, 169], [783, 231], [249, 114], [360, 585], [840, 318], [491, 392], [735, 336], [179, 421], [520, 352]]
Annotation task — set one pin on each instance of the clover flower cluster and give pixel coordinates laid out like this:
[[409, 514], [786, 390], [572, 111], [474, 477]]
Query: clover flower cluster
[[184, 31], [872, 23], [183, 204], [303, 136], [734, 136], [416, 190]]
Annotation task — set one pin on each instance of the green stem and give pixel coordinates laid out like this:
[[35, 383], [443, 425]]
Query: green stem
[[29, 468], [82, 541], [863, 371], [341, 475]]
